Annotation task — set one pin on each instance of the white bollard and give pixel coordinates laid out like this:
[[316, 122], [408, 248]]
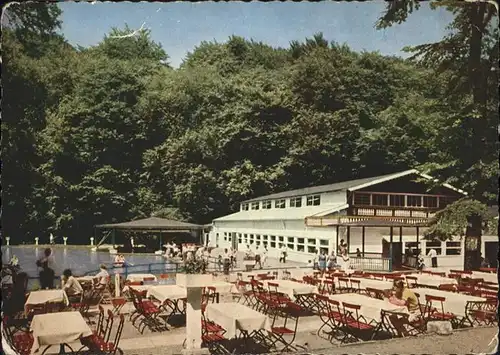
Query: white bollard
[[91, 241], [7, 239], [117, 285], [65, 240], [36, 241]]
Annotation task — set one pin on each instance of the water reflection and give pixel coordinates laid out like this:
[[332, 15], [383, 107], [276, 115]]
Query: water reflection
[[79, 260]]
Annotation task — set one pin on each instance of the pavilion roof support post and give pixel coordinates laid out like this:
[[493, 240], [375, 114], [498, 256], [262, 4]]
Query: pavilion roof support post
[[418, 242], [401, 240], [363, 240], [161, 240], [391, 235], [348, 239], [337, 240]]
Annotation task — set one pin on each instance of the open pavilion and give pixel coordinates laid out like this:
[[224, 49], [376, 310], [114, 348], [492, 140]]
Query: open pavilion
[[150, 225]]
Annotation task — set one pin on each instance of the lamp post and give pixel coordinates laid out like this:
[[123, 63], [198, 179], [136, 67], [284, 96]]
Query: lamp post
[[65, 240], [36, 240], [7, 240], [91, 241]]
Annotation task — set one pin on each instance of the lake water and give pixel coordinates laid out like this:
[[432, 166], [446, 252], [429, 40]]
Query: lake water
[[80, 261]]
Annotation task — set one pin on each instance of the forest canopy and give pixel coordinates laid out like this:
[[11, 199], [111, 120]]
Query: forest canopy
[[112, 132]]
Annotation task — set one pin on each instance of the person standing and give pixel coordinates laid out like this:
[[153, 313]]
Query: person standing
[[226, 261], [283, 253], [322, 262], [257, 258], [47, 273], [344, 256], [316, 259], [332, 260], [433, 255], [264, 256]]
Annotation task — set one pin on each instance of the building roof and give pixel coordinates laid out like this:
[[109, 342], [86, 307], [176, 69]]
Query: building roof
[[282, 213], [350, 185], [152, 223]]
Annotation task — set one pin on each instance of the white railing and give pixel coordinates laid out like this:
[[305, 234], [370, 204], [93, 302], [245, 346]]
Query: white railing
[[339, 220]]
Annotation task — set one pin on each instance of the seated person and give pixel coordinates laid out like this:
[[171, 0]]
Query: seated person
[[103, 275], [404, 297], [71, 285]]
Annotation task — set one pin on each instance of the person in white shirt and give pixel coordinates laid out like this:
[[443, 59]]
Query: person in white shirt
[[248, 252], [315, 259], [70, 284], [103, 275], [264, 256], [433, 255]]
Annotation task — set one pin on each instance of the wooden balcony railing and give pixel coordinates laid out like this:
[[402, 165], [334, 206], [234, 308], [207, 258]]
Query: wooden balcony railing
[[372, 220]]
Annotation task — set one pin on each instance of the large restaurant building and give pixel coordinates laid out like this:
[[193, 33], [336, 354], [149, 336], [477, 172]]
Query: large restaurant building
[[381, 216]]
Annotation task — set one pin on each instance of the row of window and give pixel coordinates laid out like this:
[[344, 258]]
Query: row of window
[[450, 247], [308, 245], [312, 200], [377, 199]]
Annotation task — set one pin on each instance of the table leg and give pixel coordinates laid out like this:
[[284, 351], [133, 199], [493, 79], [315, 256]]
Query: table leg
[[62, 346]]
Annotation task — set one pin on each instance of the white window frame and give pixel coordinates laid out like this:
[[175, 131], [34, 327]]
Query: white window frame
[[267, 205], [312, 199], [255, 205], [281, 203], [294, 200]]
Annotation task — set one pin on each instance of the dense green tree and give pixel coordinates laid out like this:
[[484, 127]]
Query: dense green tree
[[112, 132]]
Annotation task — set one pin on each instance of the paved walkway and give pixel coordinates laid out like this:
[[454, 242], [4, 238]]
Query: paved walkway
[[469, 341]]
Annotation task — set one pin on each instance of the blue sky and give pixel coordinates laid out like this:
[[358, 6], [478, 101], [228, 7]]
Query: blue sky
[[180, 26]]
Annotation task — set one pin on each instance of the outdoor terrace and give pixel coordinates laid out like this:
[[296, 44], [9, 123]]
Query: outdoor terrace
[[261, 311]]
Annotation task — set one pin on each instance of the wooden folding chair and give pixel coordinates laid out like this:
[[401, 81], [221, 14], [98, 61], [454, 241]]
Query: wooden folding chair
[[432, 313], [356, 326], [286, 331]]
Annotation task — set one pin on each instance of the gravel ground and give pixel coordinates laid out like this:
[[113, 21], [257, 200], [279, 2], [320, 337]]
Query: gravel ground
[[467, 341]]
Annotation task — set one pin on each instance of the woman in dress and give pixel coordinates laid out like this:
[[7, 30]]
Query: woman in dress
[[322, 262], [344, 256]]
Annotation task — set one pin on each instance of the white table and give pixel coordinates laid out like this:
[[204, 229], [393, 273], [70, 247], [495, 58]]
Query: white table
[[370, 307], [376, 284], [138, 288], [485, 276], [292, 288], [164, 292], [433, 280], [45, 296], [235, 317], [140, 277], [455, 302], [224, 287], [58, 329]]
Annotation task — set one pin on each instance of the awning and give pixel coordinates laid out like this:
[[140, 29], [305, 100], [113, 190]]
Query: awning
[[152, 223]]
